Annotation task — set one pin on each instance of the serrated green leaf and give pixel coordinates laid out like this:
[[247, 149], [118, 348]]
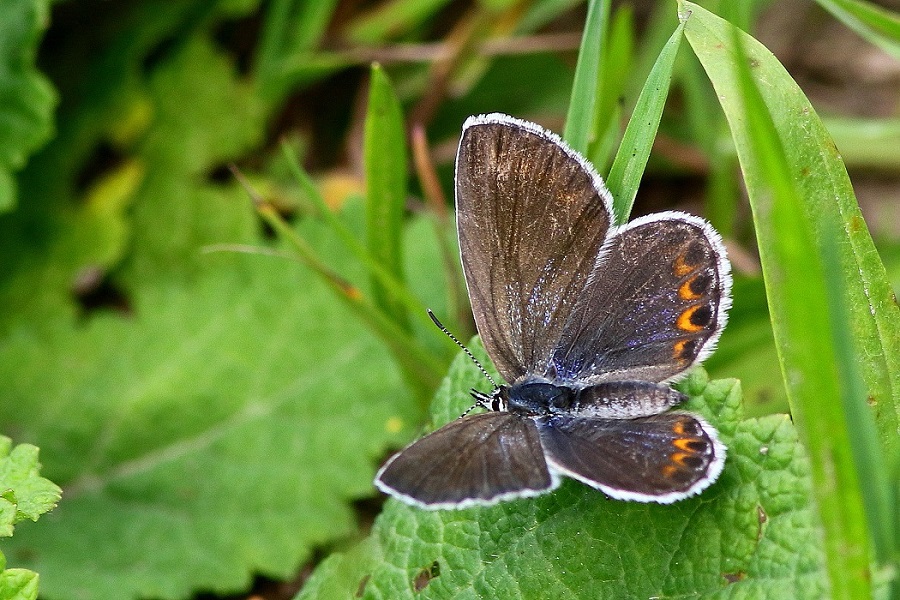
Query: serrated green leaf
[[27, 98], [18, 584], [213, 431], [217, 428], [24, 494], [22, 486], [751, 535]]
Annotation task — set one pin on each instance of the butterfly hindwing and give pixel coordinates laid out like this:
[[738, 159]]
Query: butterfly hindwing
[[660, 458], [477, 459]]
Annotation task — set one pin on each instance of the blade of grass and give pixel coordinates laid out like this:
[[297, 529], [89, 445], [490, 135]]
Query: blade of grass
[[617, 57], [384, 149], [871, 468], [631, 158], [798, 301], [821, 180], [390, 19], [289, 28], [877, 25], [579, 130]]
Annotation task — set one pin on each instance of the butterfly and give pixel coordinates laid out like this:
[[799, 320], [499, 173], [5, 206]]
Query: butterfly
[[586, 321]]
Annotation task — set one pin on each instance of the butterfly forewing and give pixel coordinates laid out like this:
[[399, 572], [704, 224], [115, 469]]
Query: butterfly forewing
[[532, 217], [661, 458], [478, 459], [654, 305]]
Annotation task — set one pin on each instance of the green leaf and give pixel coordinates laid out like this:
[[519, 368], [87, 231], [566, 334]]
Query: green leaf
[[799, 302], [580, 126], [752, 534], [880, 26], [24, 494], [209, 429], [384, 147], [18, 584], [27, 98], [828, 204], [21, 485], [631, 158], [209, 437]]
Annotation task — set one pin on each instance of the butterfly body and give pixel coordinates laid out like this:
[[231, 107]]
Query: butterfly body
[[587, 321]]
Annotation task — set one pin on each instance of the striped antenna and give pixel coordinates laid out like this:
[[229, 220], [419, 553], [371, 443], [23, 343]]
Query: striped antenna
[[464, 349]]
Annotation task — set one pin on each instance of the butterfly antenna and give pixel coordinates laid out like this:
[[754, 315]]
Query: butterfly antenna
[[464, 349]]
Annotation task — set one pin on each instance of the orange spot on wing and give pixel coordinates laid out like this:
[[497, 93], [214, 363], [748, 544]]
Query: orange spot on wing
[[678, 428], [681, 268], [685, 292], [684, 320], [669, 470], [684, 444], [679, 457]]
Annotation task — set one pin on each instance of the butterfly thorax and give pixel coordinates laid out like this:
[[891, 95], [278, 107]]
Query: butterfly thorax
[[535, 398]]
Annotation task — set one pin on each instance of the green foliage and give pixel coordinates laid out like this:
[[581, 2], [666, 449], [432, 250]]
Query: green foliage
[[24, 494], [210, 407], [26, 96], [204, 422], [385, 157]]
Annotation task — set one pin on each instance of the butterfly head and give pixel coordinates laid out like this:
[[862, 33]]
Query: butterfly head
[[497, 400]]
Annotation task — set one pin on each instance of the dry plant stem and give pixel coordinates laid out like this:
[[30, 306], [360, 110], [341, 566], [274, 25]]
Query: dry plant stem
[[441, 51], [460, 39]]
